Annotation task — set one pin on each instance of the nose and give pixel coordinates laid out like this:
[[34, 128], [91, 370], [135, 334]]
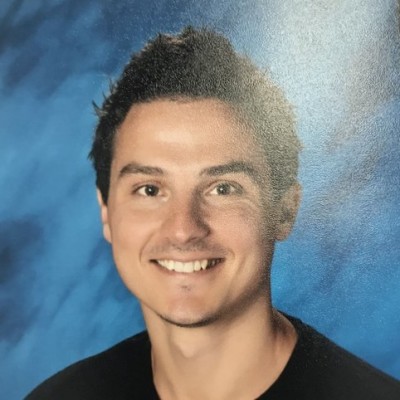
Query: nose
[[185, 221]]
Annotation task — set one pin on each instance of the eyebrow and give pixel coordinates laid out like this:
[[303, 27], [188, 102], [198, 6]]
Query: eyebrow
[[135, 168], [233, 167]]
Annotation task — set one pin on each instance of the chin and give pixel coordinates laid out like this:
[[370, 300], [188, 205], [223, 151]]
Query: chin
[[190, 322]]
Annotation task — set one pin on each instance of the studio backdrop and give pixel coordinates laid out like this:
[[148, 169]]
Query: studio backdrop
[[338, 62]]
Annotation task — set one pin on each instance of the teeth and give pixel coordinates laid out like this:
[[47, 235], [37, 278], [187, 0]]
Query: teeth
[[187, 267], [213, 262], [178, 266], [197, 265]]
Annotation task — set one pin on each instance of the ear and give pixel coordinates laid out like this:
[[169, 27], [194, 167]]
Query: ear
[[104, 217], [287, 208]]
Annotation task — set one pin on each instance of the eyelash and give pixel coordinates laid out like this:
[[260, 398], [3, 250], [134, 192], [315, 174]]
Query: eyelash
[[137, 190], [237, 189], [234, 189]]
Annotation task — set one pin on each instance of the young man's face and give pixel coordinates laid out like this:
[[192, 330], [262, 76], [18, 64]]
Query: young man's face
[[190, 214]]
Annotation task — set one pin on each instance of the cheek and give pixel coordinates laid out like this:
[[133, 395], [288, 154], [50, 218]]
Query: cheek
[[242, 225], [131, 230]]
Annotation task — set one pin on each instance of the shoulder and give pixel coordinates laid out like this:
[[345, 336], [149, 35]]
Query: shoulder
[[119, 372], [324, 369]]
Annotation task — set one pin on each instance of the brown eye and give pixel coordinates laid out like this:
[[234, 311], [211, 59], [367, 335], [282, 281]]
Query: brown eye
[[225, 189], [148, 191]]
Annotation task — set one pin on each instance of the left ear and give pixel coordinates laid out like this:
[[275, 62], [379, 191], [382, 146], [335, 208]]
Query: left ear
[[287, 208]]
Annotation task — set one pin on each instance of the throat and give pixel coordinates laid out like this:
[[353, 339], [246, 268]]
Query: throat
[[189, 345], [245, 360]]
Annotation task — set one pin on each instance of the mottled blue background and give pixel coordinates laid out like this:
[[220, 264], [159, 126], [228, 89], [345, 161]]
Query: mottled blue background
[[60, 298]]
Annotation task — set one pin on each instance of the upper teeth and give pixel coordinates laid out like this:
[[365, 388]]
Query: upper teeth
[[190, 266]]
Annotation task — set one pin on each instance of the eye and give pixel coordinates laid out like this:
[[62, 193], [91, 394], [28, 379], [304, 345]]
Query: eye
[[148, 190], [226, 189]]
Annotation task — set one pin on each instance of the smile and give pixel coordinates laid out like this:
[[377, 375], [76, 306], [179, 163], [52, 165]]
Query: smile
[[188, 267]]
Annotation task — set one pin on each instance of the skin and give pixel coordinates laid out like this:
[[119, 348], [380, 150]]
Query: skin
[[189, 183]]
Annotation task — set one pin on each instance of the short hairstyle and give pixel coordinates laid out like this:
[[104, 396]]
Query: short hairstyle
[[200, 64]]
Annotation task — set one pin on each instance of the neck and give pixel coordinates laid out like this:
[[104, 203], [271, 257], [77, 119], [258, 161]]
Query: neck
[[239, 359]]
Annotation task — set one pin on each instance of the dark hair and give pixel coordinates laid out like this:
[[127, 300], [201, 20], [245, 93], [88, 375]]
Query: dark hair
[[198, 64]]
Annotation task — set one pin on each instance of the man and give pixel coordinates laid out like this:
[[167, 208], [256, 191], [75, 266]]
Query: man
[[196, 159]]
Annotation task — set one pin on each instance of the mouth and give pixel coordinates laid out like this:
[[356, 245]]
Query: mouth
[[188, 267]]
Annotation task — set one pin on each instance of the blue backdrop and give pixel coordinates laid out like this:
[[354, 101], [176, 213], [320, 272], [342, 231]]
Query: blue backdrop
[[60, 297]]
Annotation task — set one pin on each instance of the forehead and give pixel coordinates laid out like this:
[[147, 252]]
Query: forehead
[[205, 125]]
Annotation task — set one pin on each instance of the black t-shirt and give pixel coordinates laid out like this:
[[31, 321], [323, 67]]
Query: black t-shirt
[[317, 369]]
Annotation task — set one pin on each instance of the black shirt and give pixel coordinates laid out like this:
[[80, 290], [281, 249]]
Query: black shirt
[[317, 369]]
